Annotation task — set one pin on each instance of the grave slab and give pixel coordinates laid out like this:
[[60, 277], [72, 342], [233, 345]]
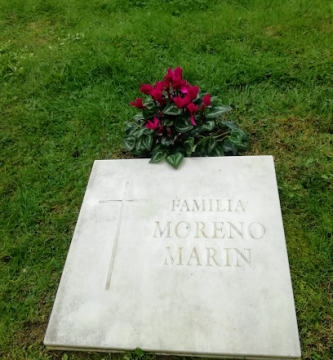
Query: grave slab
[[186, 262]]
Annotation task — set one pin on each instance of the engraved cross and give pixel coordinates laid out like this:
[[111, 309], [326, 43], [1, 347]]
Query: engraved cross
[[115, 244]]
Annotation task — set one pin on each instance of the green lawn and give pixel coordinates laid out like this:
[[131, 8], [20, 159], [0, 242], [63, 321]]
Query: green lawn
[[68, 70]]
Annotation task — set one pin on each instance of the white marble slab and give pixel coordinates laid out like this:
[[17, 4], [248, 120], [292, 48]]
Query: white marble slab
[[189, 261]]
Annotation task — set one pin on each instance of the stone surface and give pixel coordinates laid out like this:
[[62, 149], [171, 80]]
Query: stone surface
[[188, 261]]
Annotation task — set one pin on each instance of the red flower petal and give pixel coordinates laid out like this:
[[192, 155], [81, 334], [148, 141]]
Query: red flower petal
[[192, 108], [169, 76], [193, 92], [187, 99], [146, 89], [178, 101], [138, 104], [206, 100], [178, 72]]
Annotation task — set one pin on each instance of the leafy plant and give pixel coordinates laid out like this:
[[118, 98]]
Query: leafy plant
[[138, 354], [178, 120]]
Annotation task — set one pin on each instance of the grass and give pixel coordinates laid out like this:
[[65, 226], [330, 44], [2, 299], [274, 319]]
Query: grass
[[68, 69]]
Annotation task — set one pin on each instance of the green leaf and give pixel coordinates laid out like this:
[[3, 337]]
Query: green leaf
[[201, 148], [209, 125], [157, 147], [206, 146], [182, 125], [65, 357], [167, 122], [130, 128], [217, 151], [172, 110], [229, 147], [179, 148], [138, 352], [166, 141], [211, 144], [149, 113], [157, 156], [217, 111], [227, 125], [143, 131], [149, 103], [189, 146], [197, 130], [240, 133], [129, 143], [175, 159], [138, 116], [240, 139], [145, 142]]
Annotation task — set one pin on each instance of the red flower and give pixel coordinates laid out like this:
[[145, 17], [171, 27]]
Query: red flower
[[186, 100], [146, 89], [184, 87], [178, 101], [157, 95], [175, 77], [182, 102], [192, 92], [162, 85], [138, 104], [178, 72], [193, 109], [170, 75], [153, 125], [178, 83], [206, 101]]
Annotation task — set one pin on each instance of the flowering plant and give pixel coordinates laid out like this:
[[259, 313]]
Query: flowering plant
[[178, 120]]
